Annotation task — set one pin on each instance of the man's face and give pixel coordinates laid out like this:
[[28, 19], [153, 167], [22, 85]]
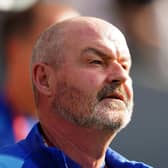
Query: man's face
[[93, 86]]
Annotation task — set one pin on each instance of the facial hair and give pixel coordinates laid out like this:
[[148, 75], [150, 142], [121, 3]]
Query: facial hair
[[88, 109]]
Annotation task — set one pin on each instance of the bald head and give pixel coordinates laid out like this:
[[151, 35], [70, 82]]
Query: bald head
[[62, 40], [52, 42]]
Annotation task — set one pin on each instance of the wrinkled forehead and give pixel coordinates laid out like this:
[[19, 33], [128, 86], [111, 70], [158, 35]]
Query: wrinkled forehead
[[98, 33]]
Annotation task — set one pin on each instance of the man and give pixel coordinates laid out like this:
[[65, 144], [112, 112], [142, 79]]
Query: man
[[21, 29], [83, 93]]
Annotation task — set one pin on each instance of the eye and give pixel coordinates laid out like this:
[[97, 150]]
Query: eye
[[99, 62], [126, 66]]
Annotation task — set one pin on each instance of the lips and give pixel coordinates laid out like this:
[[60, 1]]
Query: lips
[[114, 96]]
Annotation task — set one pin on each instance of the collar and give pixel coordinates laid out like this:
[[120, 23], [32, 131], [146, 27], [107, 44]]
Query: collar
[[50, 156]]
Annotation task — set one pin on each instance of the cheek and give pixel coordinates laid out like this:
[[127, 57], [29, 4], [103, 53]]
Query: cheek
[[129, 89], [88, 80]]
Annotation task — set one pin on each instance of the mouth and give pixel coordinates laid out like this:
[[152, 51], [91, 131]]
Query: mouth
[[114, 96]]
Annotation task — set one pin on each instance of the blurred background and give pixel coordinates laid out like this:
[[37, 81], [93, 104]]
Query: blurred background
[[145, 25]]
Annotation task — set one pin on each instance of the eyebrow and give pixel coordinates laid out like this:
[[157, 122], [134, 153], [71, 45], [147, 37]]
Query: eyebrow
[[102, 54], [96, 51]]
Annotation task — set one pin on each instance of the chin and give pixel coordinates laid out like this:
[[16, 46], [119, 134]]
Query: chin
[[113, 120]]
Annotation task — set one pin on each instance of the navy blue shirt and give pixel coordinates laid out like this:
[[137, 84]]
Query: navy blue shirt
[[33, 153]]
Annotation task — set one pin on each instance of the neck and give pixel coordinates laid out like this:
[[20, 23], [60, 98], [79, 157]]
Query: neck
[[86, 146]]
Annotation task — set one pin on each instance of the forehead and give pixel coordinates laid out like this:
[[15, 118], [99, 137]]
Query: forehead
[[98, 34]]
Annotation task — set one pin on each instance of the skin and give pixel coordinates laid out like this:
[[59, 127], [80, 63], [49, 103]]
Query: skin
[[19, 51], [90, 95]]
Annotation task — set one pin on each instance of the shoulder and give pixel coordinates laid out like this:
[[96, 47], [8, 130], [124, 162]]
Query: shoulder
[[20, 153], [28, 153], [113, 158], [12, 156]]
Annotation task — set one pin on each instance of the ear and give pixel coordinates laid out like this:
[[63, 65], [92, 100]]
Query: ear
[[42, 76]]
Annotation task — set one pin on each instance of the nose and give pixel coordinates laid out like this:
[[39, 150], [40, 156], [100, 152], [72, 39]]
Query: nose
[[116, 74]]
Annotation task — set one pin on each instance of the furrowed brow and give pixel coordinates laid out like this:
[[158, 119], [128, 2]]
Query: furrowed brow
[[95, 51]]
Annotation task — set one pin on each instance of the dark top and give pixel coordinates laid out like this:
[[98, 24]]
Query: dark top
[[33, 153]]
